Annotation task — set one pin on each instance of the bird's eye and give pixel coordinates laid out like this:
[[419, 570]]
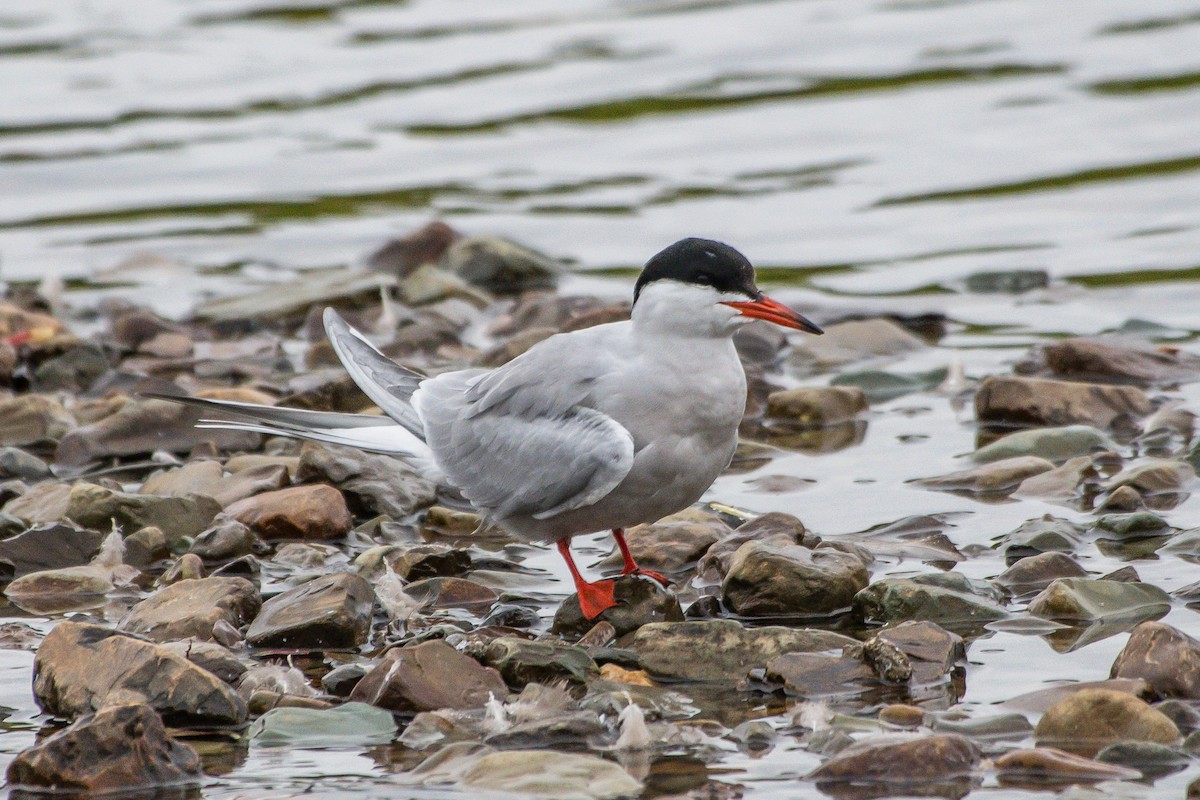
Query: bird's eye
[[704, 280]]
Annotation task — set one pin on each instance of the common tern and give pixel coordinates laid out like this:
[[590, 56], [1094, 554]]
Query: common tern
[[597, 429]]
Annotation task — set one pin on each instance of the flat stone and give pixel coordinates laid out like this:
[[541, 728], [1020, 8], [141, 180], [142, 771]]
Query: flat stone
[[1064, 482], [817, 406], [1110, 360], [1085, 721], [674, 543], [1165, 657], [1028, 402], [81, 668], [722, 650], [209, 478], [452, 593], [351, 724], [300, 512], [992, 478], [122, 748], [48, 546], [845, 342], [33, 419], [820, 675], [766, 579], [912, 760], [1088, 600], [190, 609], [1054, 444], [98, 507], [142, 426], [210, 656], [1053, 766], [332, 611], [1161, 476], [894, 599], [44, 502], [428, 676], [1036, 572], [520, 662], [373, 484]]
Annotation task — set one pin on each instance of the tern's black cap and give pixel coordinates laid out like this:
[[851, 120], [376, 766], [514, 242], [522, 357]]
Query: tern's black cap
[[702, 262]]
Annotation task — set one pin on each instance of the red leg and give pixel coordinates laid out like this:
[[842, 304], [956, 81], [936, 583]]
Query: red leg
[[631, 567], [594, 598]]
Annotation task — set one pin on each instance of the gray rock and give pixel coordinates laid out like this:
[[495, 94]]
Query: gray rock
[[16, 463], [1135, 525], [99, 508], [993, 478], [880, 386], [428, 676], [722, 650], [895, 599], [674, 543], [566, 731], [1036, 572], [501, 266], [50, 546], [1054, 444], [520, 662], [1020, 402], [820, 675], [774, 527], [1065, 482], [226, 539], [1045, 535], [932, 651], [1166, 658], [1088, 600], [32, 419], [81, 668], [640, 601], [766, 579], [1160, 476], [208, 478], [300, 512], [373, 484], [122, 748], [1151, 759], [191, 608], [333, 611], [414, 562], [1086, 721]]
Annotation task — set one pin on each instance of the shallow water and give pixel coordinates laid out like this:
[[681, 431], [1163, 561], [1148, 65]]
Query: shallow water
[[868, 156]]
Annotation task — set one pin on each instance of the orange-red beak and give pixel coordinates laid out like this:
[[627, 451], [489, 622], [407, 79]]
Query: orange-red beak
[[773, 311]]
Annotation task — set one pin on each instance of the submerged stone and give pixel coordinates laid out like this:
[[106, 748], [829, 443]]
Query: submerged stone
[[817, 406], [121, 748], [722, 650], [1049, 765], [894, 599], [992, 478], [1088, 600], [1087, 720]]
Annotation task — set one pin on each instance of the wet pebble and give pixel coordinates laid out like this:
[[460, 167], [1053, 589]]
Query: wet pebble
[[1086, 721], [766, 580], [428, 676], [914, 760], [896, 599], [640, 601], [817, 406], [1164, 657], [190, 609], [521, 662], [1020, 402], [1089, 600]]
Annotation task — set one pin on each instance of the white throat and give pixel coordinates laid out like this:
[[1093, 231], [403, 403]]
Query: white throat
[[673, 308]]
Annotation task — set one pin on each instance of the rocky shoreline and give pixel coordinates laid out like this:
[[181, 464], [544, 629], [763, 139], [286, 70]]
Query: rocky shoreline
[[218, 590]]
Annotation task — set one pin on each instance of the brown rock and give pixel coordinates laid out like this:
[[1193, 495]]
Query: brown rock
[[301, 512], [1044, 765], [1034, 573], [673, 543], [333, 611], [428, 676], [1116, 361], [765, 579], [45, 502], [916, 760], [99, 507], [452, 593], [425, 245], [33, 418], [820, 675], [722, 650], [81, 668], [817, 406], [121, 748], [998, 476], [208, 478], [190, 609], [1018, 401], [1166, 658], [1086, 721]]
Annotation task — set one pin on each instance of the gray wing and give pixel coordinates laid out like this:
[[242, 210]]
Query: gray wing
[[522, 439], [388, 384]]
